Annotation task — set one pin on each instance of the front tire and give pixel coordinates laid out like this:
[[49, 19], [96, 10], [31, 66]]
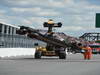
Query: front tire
[[38, 55]]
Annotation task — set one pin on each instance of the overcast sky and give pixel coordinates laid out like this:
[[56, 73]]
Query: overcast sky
[[77, 16]]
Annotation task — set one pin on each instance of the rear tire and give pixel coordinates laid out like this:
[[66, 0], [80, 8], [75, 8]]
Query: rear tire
[[38, 55], [62, 55]]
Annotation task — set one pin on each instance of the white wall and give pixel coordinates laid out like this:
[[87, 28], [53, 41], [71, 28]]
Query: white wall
[[7, 52]]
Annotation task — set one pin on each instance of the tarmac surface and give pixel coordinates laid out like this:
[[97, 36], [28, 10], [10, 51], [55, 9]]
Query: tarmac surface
[[27, 65]]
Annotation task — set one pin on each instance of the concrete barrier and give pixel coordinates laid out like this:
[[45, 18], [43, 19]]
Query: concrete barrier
[[8, 52]]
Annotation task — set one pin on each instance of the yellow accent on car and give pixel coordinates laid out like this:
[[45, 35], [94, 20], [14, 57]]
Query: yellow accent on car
[[41, 48], [50, 22]]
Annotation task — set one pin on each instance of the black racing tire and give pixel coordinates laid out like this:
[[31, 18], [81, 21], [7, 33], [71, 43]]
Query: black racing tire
[[37, 55], [62, 55]]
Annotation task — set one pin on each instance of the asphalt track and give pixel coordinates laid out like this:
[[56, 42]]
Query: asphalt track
[[73, 65]]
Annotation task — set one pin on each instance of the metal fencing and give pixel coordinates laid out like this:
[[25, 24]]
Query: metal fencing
[[15, 41]]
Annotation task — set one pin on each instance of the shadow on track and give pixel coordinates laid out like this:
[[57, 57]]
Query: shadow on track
[[53, 60]]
